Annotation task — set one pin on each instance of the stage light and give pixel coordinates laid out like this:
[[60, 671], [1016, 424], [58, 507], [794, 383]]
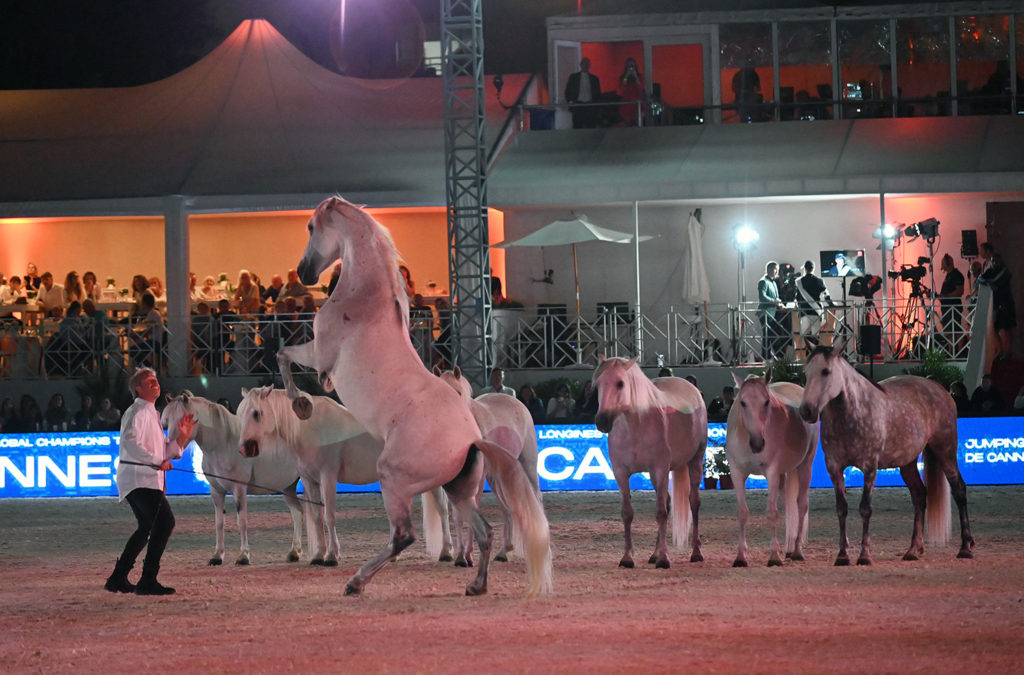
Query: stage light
[[744, 238], [929, 229], [888, 234]]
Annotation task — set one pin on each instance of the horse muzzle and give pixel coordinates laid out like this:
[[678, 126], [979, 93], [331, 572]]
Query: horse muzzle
[[808, 414], [307, 271], [250, 448], [604, 421], [757, 445]]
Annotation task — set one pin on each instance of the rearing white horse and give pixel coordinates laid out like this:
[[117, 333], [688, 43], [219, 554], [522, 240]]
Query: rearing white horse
[[361, 346]]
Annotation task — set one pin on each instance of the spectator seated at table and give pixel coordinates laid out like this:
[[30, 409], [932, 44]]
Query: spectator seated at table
[[156, 287], [90, 287], [140, 286], [69, 349], [203, 339], [210, 291], [294, 288], [51, 295], [146, 334], [57, 417], [107, 417]]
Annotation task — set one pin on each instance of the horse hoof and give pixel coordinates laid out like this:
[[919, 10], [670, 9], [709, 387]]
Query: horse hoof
[[445, 557], [626, 562], [473, 590], [662, 564], [303, 408], [842, 561], [292, 557], [330, 563], [863, 561], [909, 556], [774, 562], [653, 560], [798, 557], [352, 589], [696, 557], [461, 562], [319, 562], [739, 562], [214, 562], [241, 562], [966, 554], [501, 557]]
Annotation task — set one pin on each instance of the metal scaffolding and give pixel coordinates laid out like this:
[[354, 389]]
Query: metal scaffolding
[[466, 186]]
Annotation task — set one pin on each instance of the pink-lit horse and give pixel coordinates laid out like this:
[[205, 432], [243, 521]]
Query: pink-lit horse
[[361, 347], [660, 427], [881, 426], [766, 437]]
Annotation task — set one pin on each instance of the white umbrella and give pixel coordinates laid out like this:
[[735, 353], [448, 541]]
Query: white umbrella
[[696, 288], [575, 231]]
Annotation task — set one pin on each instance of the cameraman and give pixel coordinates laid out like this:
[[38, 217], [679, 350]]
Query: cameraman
[[950, 299], [810, 291]]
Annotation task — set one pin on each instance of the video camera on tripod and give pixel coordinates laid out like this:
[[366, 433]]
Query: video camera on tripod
[[913, 275]]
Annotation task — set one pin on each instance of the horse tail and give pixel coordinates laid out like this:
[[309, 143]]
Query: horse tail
[[682, 520], [938, 516], [433, 527], [530, 534], [790, 492]]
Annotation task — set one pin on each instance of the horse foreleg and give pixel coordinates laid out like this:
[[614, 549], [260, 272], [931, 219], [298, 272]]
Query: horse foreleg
[[662, 506], [315, 530], [295, 508], [865, 514], [919, 498], [399, 510], [772, 514], [803, 475], [242, 507], [303, 355], [958, 489], [742, 515], [218, 521], [842, 508], [627, 518], [329, 496]]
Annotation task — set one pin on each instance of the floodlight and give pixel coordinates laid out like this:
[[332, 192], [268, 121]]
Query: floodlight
[[744, 238]]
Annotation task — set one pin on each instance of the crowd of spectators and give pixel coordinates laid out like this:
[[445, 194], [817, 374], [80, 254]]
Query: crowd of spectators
[[27, 417]]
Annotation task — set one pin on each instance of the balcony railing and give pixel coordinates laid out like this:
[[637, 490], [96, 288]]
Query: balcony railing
[[545, 337]]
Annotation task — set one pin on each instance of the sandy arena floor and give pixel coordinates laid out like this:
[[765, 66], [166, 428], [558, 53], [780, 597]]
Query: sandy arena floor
[[937, 615]]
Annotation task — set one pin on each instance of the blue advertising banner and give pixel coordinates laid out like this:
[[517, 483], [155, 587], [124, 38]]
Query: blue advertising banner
[[571, 457]]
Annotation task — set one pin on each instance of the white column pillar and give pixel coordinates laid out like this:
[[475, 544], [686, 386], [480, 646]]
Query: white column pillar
[[179, 305]]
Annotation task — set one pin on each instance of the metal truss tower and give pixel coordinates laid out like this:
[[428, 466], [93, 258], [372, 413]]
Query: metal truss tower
[[469, 269]]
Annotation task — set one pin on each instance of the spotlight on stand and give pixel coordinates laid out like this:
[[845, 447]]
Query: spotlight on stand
[[744, 238], [929, 229], [888, 234]]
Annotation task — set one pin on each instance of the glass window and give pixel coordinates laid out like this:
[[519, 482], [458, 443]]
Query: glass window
[[805, 70], [865, 67], [983, 65], [922, 57], [747, 77]]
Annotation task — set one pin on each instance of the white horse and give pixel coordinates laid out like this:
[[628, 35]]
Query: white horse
[[879, 426], [362, 348], [504, 420], [216, 433], [660, 427], [330, 447], [765, 436]]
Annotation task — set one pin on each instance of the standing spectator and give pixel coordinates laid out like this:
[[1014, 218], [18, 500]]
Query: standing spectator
[[145, 454], [58, 417], [810, 291], [498, 385], [583, 87], [768, 304], [1004, 313], [32, 280], [986, 399], [718, 409], [561, 407], [951, 299], [631, 90], [107, 417], [51, 295], [90, 287], [193, 290], [528, 397], [294, 288]]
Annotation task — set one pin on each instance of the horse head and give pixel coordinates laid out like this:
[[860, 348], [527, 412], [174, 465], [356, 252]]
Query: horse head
[[616, 382], [754, 401], [324, 246], [257, 418], [456, 381], [176, 408], [826, 379]]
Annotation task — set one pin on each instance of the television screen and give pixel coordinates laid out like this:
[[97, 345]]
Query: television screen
[[845, 263]]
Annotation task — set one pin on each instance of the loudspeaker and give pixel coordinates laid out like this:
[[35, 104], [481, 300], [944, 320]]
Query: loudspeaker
[[968, 243], [870, 341]]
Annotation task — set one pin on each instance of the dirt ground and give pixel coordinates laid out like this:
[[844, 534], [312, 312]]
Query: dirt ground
[[937, 615]]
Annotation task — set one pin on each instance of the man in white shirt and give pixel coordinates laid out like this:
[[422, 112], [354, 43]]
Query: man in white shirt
[[11, 291], [145, 454], [498, 384], [50, 294]]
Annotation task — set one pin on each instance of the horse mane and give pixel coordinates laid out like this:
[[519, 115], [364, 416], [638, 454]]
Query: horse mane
[[287, 424], [826, 352], [642, 393], [383, 242]]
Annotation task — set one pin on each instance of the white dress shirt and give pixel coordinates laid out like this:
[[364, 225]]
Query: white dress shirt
[[143, 441]]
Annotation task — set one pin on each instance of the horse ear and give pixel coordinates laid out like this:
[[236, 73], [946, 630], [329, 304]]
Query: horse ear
[[632, 362], [839, 346], [458, 372], [736, 379], [437, 371], [768, 375], [245, 392]]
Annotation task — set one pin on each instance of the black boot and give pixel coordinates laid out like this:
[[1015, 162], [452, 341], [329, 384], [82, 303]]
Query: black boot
[[148, 585], [118, 582]]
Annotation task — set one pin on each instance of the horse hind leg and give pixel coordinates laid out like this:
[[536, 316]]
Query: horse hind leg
[[242, 506], [772, 514], [919, 498], [218, 520], [958, 489], [865, 514], [399, 512], [297, 513], [484, 535]]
